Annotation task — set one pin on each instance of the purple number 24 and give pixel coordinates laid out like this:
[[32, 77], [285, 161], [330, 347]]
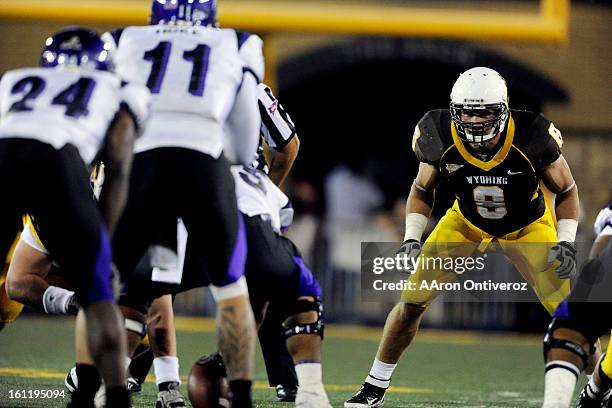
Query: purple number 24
[[159, 56]]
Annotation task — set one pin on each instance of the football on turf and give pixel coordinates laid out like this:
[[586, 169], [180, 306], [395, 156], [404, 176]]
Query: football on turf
[[207, 385]]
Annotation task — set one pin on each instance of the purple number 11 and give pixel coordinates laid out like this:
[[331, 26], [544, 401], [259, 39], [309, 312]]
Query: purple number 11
[[159, 58]]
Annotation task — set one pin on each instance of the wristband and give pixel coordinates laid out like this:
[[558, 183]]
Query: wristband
[[415, 225]]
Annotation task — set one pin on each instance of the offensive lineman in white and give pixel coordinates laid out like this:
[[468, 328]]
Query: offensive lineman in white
[[275, 271], [55, 120], [202, 80]]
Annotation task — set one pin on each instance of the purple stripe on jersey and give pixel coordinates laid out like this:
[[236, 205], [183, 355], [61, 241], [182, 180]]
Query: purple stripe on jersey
[[100, 286], [249, 70], [308, 283], [239, 255]]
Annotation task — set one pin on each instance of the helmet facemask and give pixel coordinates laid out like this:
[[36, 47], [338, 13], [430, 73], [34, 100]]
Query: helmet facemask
[[479, 132]]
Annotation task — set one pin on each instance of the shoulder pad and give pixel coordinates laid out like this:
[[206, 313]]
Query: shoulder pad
[[427, 139], [542, 141], [250, 48]]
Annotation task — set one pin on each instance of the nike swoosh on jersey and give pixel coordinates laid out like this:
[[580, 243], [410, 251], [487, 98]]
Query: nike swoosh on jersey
[[513, 173]]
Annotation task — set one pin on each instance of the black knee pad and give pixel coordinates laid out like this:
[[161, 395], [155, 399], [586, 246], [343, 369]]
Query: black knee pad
[[550, 342], [302, 306]]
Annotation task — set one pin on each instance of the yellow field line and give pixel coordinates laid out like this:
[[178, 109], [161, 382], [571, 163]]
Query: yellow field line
[[355, 332], [260, 385]]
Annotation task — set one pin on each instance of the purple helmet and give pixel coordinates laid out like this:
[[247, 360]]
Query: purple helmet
[[191, 12], [76, 46]]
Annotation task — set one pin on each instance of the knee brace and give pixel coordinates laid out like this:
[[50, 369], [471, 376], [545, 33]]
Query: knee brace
[[302, 306], [550, 342]]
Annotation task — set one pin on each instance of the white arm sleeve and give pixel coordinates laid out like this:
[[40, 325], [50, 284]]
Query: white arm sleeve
[[28, 236], [243, 123]]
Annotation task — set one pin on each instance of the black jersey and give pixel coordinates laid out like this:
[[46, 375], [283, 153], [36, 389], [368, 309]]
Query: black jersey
[[500, 195]]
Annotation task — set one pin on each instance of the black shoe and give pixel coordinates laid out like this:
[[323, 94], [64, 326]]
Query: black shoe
[[73, 305], [586, 400], [71, 382], [133, 385], [285, 393], [368, 396]]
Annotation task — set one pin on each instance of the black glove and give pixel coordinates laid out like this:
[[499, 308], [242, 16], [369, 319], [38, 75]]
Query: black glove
[[411, 248], [565, 253]]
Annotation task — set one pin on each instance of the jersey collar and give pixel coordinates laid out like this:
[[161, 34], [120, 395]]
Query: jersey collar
[[499, 157]]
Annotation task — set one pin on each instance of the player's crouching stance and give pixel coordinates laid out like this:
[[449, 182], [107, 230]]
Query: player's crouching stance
[[494, 158], [275, 272], [56, 119], [33, 278], [576, 325]]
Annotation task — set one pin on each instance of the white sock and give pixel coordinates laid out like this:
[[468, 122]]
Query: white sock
[[380, 374], [309, 374], [55, 300], [559, 382], [166, 369]]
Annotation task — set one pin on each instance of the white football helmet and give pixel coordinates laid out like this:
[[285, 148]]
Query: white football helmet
[[482, 92]]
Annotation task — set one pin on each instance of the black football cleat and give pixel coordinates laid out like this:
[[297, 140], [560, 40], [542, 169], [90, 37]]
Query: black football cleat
[[71, 381], [133, 385], [588, 399], [285, 393], [368, 396], [72, 307]]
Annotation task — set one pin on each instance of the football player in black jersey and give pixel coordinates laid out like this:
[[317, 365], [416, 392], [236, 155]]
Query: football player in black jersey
[[495, 159]]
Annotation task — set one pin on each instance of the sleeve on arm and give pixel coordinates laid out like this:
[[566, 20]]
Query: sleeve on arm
[[277, 127], [243, 124], [251, 52], [30, 237]]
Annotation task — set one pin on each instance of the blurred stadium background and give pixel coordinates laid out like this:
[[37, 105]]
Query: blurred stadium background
[[356, 76]]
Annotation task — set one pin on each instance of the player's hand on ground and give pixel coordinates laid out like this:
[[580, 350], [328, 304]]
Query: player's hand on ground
[[411, 248], [565, 253]]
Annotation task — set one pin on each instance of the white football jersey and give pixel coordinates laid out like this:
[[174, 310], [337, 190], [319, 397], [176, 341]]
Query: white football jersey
[[603, 223], [194, 74], [258, 195], [66, 105]]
